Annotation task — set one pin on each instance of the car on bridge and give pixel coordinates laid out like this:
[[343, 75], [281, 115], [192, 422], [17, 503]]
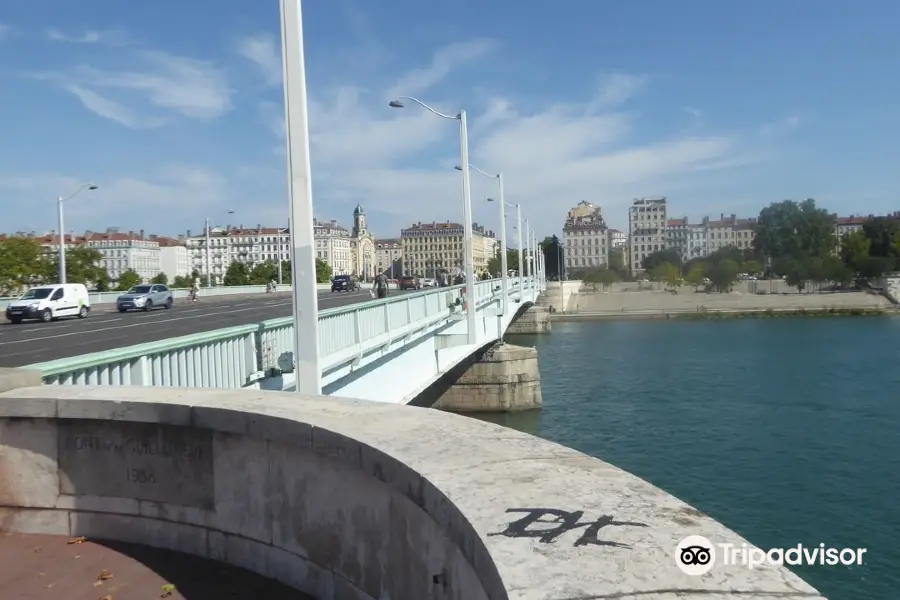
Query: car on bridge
[[410, 283], [146, 297], [344, 283], [48, 302]]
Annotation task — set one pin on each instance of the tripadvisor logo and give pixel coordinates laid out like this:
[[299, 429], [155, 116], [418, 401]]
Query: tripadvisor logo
[[696, 555]]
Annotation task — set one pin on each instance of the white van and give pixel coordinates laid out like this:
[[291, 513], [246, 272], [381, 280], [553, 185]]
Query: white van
[[48, 302]]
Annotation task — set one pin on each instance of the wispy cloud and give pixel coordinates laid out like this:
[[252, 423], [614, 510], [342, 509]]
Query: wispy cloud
[[6, 31], [616, 89], [781, 126], [112, 37], [108, 109], [262, 51], [694, 112], [444, 60], [194, 88]]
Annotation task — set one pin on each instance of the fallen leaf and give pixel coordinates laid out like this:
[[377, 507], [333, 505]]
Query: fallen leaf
[[38, 550], [77, 556], [50, 585], [104, 575], [98, 583], [167, 589], [107, 597], [78, 540]]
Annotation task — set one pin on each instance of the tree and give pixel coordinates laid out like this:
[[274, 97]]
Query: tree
[[752, 267], [723, 274], [286, 271], [835, 270], [162, 279], [82, 266], [600, 277], [654, 259], [668, 273], [237, 274], [21, 262], [873, 267], [553, 257], [512, 261], [263, 273], [855, 248], [323, 271], [884, 237], [128, 280], [103, 281], [617, 261], [182, 282], [696, 274], [791, 229]]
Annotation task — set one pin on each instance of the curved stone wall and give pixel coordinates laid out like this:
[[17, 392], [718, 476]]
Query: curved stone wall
[[347, 499]]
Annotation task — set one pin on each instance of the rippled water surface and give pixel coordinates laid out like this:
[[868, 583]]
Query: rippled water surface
[[785, 430]]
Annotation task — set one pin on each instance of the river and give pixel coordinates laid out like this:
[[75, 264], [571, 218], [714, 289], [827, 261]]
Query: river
[[786, 430]]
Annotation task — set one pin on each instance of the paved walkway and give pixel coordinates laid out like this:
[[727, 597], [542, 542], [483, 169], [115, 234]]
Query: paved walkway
[[50, 567]]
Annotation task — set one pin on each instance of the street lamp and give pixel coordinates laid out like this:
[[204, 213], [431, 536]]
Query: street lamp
[[303, 261], [62, 235], [502, 202], [467, 199]]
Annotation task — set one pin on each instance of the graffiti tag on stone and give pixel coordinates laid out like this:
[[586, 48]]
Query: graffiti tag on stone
[[534, 525]]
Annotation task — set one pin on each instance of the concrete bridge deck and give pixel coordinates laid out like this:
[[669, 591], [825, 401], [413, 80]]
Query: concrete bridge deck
[[353, 500]]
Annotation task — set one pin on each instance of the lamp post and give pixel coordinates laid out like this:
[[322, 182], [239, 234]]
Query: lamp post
[[467, 199], [502, 202], [281, 253], [61, 224], [303, 261]]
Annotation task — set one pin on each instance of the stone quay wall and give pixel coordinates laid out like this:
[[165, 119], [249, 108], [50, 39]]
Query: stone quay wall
[[351, 500]]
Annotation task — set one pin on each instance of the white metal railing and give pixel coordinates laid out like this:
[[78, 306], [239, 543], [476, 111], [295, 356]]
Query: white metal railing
[[237, 356]]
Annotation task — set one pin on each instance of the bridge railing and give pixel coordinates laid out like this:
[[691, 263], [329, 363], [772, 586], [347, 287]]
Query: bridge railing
[[237, 356]]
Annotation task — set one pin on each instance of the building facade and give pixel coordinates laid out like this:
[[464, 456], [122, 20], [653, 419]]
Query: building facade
[[729, 231], [334, 247], [363, 262], [617, 238], [120, 252], [429, 249], [586, 238], [647, 221], [174, 259], [389, 257]]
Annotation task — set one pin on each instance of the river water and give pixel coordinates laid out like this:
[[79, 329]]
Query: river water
[[785, 430]]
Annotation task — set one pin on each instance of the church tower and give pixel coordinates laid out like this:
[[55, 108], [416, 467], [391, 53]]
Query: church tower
[[359, 222]]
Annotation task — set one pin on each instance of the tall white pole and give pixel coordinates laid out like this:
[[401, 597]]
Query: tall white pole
[[527, 249], [467, 228], [62, 240], [519, 241], [208, 269], [303, 260], [503, 266]]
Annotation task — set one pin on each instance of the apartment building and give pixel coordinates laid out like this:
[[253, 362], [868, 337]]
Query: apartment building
[[432, 248], [647, 220], [389, 257], [119, 251], [334, 247], [617, 238], [729, 231], [174, 259], [586, 238], [248, 245]]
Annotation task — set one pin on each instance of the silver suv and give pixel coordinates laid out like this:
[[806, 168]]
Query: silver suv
[[145, 297]]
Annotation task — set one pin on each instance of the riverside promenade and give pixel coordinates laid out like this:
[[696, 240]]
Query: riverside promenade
[[350, 499]]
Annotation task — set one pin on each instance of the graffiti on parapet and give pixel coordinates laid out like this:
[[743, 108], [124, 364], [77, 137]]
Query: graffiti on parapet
[[534, 525]]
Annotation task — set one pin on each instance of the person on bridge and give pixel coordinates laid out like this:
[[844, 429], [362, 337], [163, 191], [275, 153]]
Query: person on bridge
[[195, 289], [380, 286]]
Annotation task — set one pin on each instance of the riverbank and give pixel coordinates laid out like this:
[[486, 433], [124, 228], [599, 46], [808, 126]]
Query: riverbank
[[686, 303], [721, 314]]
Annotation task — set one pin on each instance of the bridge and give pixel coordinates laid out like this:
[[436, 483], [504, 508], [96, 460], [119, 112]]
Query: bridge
[[388, 350]]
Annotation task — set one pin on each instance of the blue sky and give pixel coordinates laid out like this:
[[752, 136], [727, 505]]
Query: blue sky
[[175, 108]]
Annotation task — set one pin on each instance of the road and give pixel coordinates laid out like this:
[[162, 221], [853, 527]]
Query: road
[[105, 329]]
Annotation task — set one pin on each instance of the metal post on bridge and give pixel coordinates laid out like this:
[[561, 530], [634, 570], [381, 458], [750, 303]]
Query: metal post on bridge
[[303, 262]]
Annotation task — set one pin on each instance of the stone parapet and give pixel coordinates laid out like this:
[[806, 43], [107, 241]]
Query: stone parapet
[[11, 379], [352, 500]]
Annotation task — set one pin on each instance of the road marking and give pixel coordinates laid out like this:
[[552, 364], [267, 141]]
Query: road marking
[[154, 322]]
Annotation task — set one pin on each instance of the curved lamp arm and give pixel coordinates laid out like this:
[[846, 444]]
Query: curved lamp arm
[[397, 104], [86, 186], [474, 168]]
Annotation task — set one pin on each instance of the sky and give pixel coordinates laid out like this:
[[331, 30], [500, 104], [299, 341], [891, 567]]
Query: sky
[[175, 109]]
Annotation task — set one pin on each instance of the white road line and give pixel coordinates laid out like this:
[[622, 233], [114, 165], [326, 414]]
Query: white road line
[[156, 322]]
